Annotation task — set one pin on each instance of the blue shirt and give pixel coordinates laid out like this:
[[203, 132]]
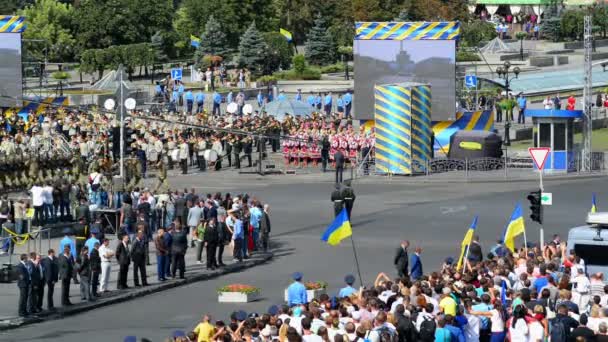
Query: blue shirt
[[260, 98], [340, 103], [158, 89], [296, 294], [238, 230], [318, 100], [217, 98], [67, 241], [256, 216], [482, 307], [539, 283], [175, 96], [189, 96], [311, 100], [348, 98], [327, 99], [299, 97], [346, 291], [456, 333], [281, 97], [229, 97], [200, 97], [521, 102], [180, 89], [90, 243], [442, 335]]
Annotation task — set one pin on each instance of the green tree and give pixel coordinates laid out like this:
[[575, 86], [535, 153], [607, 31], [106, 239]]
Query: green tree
[[252, 49], [278, 54], [320, 47], [551, 26], [158, 47], [476, 31], [299, 64], [600, 18], [572, 24], [9, 7], [49, 20], [213, 39]]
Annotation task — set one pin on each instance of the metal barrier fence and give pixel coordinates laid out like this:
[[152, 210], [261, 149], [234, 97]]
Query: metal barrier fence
[[513, 166], [38, 239]]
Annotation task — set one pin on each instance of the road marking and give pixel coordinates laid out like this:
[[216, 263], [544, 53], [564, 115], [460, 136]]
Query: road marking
[[452, 210]]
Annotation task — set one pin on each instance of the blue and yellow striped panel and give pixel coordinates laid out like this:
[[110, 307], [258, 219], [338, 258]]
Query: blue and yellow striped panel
[[393, 129], [421, 126], [468, 121], [37, 107], [12, 24], [438, 30]]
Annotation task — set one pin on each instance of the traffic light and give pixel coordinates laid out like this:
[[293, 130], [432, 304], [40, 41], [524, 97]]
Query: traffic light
[[129, 140], [114, 138], [536, 207]]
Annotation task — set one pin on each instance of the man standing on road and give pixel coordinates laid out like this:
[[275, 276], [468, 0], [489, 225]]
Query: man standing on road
[[265, 227], [138, 255], [416, 270], [51, 276], [237, 234], [37, 284], [179, 247], [336, 198], [401, 259], [348, 194], [84, 271], [95, 260], [210, 239], [124, 259], [521, 103], [161, 254], [66, 268], [183, 156], [339, 160], [23, 283], [296, 292], [106, 254]]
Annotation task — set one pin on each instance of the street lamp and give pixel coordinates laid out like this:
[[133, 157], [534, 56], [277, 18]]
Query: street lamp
[[504, 72]]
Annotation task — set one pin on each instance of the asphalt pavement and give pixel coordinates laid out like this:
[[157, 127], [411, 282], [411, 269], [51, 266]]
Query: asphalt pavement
[[434, 216]]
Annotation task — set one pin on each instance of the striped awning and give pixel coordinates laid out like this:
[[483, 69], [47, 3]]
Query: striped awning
[[12, 24], [446, 30]]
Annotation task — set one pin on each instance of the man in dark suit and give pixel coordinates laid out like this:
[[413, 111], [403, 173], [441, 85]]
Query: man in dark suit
[[83, 212], [124, 259], [401, 259], [66, 269], [23, 283], [34, 304], [181, 211], [50, 269], [95, 262], [339, 160], [84, 271], [138, 255], [179, 246], [416, 270]]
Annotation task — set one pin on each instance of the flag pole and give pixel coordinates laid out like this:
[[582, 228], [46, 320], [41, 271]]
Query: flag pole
[[526, 244], [466, 257], [356, 259]]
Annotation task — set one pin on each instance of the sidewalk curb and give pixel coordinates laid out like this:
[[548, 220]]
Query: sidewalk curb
[[414, 180], [18, 322]]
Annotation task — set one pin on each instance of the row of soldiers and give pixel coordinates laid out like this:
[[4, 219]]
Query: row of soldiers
[[342, 197]]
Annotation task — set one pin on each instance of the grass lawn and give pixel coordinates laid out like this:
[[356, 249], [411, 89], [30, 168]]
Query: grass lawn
[[599, 141]]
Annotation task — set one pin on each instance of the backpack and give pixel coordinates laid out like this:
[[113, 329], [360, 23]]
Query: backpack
[[558, 331], [386, 335], [427, 329]]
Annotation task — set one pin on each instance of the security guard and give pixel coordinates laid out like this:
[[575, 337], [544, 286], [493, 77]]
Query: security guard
[[336, 198], [348, 195], [296, 292], [349, 289]]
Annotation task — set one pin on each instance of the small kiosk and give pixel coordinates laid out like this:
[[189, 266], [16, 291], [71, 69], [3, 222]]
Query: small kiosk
[[555, 129]]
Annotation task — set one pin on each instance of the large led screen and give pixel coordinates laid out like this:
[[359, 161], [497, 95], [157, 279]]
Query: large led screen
[[397, 61], [10, 69]]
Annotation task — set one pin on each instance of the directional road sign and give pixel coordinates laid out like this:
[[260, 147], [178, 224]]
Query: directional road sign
[[176, 74], [546, 198], [470, 81]]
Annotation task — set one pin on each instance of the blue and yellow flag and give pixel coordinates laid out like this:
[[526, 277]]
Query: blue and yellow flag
[[593, 203], [195, 41], [338, 230], [286, 34], [468, 237], [514, 228]]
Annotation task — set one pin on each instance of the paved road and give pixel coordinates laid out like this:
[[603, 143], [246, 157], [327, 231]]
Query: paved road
[[434, 216]]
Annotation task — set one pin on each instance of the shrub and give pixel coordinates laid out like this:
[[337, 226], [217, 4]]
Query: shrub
[[466, 56], [299, 63]]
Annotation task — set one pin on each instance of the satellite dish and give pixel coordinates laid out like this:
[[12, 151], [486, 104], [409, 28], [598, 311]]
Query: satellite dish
[[130, 103], [109, 104], [232, 108], [247, 109]]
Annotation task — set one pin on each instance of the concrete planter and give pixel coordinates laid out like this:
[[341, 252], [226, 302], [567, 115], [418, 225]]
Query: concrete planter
[[237, 297], [311, 294]]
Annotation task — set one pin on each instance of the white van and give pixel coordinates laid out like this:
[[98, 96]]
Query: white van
[[590, 242]]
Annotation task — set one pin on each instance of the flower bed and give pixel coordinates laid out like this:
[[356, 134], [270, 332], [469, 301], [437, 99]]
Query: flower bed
[[238, 293], [315, 285]]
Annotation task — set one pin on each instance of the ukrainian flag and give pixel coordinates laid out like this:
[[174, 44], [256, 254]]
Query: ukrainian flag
[[195, 41], [514, 228], [286, 34], [468, 237], [339, 229], [593, 203]]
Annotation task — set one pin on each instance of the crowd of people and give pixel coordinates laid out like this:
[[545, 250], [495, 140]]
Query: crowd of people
[[172, 223], [531, 294]]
